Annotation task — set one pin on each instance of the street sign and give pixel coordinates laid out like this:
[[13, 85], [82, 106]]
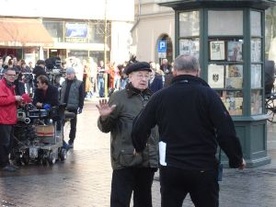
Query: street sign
[[162, 46], [162, 55], [162, 49]]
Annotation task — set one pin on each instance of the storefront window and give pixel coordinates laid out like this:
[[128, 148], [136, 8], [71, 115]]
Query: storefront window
[[78, 32], [55, 28]]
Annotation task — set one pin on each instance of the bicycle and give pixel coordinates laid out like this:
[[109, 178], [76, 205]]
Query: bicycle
[[270, 106]]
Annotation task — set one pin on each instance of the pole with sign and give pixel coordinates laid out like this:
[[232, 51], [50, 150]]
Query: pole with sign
[[162, 49]]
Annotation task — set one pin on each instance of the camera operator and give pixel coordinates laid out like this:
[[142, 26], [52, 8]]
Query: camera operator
[[46, 95], [39, 70]]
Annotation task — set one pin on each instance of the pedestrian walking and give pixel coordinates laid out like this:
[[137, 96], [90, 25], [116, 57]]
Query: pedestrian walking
[[132, 173], [87, 81], [101, 79], [8, 116], [72, 94], [192, 122]]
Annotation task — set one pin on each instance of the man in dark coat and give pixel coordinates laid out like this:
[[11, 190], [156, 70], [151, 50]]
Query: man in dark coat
[[39, 70], [192, 122], [156, 82], [45, 95], [131, 174]]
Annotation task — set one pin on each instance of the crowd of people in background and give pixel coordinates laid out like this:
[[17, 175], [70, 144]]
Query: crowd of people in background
[[99, 80], [113, 77], [92, 80]]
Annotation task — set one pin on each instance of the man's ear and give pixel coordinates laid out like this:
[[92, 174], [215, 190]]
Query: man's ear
[[174, 72], [130, 77], [198, 73]]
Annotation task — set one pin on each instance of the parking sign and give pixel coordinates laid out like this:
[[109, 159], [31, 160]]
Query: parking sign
[[162, 46], [162, 49]]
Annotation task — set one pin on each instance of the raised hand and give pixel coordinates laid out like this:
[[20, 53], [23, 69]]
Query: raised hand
[[104, 108]]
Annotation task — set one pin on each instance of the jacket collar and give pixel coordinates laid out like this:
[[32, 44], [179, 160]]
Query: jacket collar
[[74, 79], [131, 91], [189, 79]]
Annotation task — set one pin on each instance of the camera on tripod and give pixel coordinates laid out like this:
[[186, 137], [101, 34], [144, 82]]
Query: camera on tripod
[[54, 70]]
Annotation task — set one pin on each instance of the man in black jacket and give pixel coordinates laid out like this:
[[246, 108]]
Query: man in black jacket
[[45, 95], [192, 122], [39, 70]]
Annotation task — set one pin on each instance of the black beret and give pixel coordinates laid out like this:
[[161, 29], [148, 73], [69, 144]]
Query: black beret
[[139, 66]]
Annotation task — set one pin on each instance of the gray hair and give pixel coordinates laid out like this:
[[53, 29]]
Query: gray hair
[[8, 68], [186, 63]]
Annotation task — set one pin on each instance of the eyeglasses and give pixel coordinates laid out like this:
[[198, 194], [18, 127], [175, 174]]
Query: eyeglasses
[[141, 76]]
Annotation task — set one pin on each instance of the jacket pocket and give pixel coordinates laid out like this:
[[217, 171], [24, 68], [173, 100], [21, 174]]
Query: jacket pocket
[[128, 159]]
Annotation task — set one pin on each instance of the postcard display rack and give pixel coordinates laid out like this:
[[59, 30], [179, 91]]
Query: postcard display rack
[[229, 43], [226, 61], [226, 55]]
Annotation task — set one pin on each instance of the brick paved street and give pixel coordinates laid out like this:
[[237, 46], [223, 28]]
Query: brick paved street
[[84, 178]]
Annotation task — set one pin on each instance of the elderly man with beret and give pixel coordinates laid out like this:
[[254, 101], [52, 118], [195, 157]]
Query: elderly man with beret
[[132, 172]]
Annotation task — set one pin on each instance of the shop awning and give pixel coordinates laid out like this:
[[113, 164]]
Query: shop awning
[[23, 33]]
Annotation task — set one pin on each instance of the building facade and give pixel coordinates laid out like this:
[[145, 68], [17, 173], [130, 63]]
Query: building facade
[[155, 23], [75, 29]]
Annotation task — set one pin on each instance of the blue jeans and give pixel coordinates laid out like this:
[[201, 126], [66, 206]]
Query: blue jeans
[[101, 87]]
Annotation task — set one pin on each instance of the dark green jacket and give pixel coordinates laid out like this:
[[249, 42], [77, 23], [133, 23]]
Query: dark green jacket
[[129, 102]]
